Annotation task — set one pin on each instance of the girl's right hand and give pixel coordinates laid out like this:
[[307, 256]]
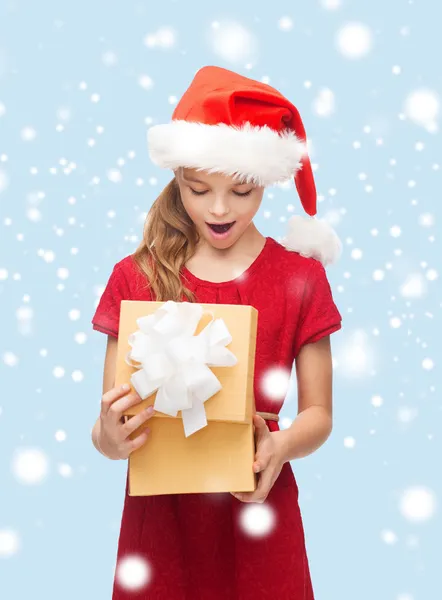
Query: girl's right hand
[[113, 434]]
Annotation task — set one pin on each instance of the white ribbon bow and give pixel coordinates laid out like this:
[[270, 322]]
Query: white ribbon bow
[[176, 362]]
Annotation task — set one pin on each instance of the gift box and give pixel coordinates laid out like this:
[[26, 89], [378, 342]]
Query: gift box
[[195, 364]]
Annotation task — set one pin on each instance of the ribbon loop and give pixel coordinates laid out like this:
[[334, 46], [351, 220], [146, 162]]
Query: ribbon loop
[[171, 360]]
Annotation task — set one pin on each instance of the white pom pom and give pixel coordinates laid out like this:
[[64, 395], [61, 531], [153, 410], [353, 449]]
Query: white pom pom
[[314, 238]]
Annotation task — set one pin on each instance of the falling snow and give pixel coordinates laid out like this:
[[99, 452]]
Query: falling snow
[[233, 42], [133, 573], [257, 520], [76, 184], [354, 40], [417, 504]]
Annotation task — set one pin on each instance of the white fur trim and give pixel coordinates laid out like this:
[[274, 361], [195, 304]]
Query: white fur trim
[[314, 238], [256, 154]]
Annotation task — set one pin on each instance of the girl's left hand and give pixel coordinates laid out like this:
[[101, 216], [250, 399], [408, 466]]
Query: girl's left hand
[[268, 461]]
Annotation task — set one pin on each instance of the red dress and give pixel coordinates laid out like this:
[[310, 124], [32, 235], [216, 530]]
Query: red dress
[[195, 545]]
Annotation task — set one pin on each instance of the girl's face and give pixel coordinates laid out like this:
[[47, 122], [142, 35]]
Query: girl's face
[[216, 199]]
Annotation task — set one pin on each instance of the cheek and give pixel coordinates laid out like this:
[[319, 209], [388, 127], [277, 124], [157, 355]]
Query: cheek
[[191, 205], [248, 209]]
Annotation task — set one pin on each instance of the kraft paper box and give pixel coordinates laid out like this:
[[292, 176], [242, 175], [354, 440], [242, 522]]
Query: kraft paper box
[[218, 457]]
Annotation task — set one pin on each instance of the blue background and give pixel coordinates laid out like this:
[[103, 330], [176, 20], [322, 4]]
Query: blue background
[[361, 544]]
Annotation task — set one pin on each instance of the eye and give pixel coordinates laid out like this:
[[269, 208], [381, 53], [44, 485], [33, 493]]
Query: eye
[[243, 193], [197, 193]]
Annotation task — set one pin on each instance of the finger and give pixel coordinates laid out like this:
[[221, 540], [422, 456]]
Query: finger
[[112, 395], [261, 492], [118, 407], [260, 425], [243, 496], [136, 421], [136, 443], [264, 486], [261, 461]]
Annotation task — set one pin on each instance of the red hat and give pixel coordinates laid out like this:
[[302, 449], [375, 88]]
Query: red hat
[[227, 123]]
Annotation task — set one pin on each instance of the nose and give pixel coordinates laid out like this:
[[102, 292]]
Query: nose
[[219, 207]]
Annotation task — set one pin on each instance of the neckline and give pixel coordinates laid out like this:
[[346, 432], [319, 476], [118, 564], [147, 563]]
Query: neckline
[[236, 280]]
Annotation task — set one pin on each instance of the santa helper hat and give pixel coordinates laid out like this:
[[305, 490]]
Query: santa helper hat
[[227, 123]]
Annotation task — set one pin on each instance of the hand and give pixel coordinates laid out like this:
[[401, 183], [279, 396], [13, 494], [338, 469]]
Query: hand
[[268, 461], [113, 433]]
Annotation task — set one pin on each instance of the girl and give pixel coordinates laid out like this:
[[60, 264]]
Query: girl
[[229, 138]]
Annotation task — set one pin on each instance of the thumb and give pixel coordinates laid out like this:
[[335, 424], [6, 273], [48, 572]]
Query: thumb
[[260, 424]]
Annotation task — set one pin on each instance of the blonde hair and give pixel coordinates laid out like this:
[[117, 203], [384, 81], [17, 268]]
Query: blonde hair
[[169, 241]]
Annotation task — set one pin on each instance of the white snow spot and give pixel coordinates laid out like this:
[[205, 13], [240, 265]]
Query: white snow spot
[[331, 4], [377, 401], [354, 40], [30, 466], [28, 134], [389, 537], [426, 220], [4, 180], [145, 82], [10, 359], [65, 470], [58, 372], [64, 114], [25, 316], [257, 520], [164, 38], [395, 322], [324, 103], [9, 543], [378, 275], [432, 274], [33, 214], [232, 42], [80, 337], [414, 286], [285, 24], [77, 376], [349, 442], [355, 355], [74, 314], [109, 58], [114, 175], [285, 422], [422, 107], [47, 255], [275, 383], [405, 414], [60, 435], [395, 231], [418, 504], [427, 364], [63, 273], [133, 572]]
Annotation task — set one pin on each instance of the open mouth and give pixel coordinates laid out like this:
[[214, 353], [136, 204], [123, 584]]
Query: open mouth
[[221, 227]]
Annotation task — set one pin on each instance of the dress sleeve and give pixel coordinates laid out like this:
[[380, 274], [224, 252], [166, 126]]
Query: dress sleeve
[[319, 315], [107, 315]]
